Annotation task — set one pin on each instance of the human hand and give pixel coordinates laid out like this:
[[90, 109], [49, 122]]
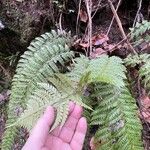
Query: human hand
[[69, 137]]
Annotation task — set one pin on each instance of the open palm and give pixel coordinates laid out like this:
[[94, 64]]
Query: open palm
[[69, 137]]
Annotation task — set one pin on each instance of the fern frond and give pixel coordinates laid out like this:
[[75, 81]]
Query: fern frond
[[46, 40], [66, 85], [104, 69], [8, 138], [44, 96], [116, 116], [133, 60], [143, 61], [39, 67], [46, 55], [79, 68], [62, 82], [139, 33], [107, 69], [140, 29], [53, 94]]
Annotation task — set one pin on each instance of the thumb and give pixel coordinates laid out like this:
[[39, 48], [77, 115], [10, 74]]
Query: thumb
[[40, 131]]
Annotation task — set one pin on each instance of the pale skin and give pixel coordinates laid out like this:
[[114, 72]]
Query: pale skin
[[69, 137]]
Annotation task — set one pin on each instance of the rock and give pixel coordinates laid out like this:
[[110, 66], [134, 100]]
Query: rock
[[23, 21]]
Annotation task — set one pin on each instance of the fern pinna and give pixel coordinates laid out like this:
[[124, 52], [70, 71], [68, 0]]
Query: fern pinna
[[50, 74]]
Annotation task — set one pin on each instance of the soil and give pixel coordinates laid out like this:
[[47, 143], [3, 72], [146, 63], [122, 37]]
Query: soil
[[24, 21]]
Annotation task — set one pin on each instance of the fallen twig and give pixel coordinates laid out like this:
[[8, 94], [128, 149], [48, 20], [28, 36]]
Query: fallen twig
[[77, 24], [60, 23], [137, 14], [89, 10], [120, 27], [113, 17], [97, 8]]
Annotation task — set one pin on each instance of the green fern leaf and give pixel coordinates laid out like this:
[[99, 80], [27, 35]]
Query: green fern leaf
[[143, 61], [139, 32], [104, 69], [116, 115], [107, 69], [133, 60], [44, 96], [46, 55]]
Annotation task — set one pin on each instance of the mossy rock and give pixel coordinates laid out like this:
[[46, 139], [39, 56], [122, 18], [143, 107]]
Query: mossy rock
[[23, 21]]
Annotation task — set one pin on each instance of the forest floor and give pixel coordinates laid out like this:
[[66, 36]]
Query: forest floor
[[104, 40]]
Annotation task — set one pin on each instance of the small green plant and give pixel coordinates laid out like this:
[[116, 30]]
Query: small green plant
[[62, 6], [143, 62], [49, 73], [140, 33]]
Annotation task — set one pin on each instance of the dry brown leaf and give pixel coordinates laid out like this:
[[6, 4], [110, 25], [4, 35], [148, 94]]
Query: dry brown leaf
[[92, 144], [2, 97], [146, 115], [144, 46], [109, 47], [83, 16], [97, 52], [145, 100], [84, 45], [145, 111], [99, 39], [77, 41]]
